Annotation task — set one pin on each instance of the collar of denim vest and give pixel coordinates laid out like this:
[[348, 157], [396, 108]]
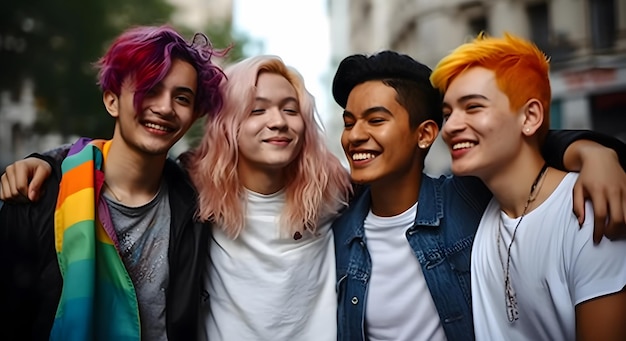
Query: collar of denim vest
[[429, 210]]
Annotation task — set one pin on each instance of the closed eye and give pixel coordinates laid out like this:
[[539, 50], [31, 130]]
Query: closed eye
[[376, 120], [473, 107], [291, 111]]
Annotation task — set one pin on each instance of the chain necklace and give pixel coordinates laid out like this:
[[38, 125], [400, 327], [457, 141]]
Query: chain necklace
[[510, 299]]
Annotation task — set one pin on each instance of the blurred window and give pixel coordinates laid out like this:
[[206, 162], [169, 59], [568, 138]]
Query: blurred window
[[602, 19]]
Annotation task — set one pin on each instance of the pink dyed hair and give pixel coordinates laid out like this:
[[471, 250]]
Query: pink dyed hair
[[145, 54], [317, 185]]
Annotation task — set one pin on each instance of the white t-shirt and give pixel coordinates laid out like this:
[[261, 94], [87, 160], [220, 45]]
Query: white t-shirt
[[399, 305], [554, 266], [268, 286]]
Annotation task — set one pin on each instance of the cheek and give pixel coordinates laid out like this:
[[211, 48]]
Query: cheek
[[344, 140], [250, 126], [445, 133], [296, 124]]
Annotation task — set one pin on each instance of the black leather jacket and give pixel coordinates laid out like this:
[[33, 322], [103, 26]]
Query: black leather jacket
[[30, 286]]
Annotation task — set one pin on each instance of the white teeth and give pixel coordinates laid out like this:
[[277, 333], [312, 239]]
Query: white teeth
[[362, 156], [463, 145], [155, 126]]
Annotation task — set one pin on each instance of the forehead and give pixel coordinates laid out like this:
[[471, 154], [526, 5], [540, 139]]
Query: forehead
[[477, 80], [273, 85], [181, 74], [370, 94]]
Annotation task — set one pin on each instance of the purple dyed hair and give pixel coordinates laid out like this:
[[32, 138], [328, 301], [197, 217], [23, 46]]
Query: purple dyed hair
[[145, 54]]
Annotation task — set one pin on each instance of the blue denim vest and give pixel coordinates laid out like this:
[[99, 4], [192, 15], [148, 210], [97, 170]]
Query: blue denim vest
[[448, 214]]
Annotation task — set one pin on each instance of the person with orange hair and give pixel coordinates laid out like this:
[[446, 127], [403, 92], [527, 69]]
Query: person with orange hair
[[403, 245], [271, 187], [535, 275]]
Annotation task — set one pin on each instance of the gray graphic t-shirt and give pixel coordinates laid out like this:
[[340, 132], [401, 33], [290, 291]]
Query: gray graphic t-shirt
[[143, 233]]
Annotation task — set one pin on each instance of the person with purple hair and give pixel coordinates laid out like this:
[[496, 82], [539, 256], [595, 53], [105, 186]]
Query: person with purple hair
[[112, 249]]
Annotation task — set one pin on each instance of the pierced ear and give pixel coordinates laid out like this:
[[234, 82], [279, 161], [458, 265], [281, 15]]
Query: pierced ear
[[111, 103], [427, 133], [533, 117]]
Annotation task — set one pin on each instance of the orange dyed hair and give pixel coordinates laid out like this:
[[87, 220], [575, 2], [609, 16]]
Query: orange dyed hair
[[317, 186], [521, 70]]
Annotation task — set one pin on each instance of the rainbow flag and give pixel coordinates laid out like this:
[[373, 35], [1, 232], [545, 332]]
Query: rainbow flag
[[98, 300]]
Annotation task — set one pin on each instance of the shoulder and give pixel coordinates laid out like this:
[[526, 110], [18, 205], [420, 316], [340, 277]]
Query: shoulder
[[457, 190]]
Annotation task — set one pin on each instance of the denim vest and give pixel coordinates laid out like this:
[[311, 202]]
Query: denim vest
[[448, 214]]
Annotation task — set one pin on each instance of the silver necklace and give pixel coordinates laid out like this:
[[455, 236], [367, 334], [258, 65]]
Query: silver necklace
[[510, 299]]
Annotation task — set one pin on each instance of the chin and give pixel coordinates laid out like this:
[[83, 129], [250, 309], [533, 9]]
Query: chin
[[460, 170]]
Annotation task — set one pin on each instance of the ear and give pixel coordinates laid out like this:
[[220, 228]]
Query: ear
[[427, 132], [533, 116], [111, 103]]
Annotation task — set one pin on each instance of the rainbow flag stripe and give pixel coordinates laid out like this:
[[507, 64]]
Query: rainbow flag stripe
[[98, 300]]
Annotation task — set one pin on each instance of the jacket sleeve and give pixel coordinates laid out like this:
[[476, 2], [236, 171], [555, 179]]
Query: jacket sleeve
[[30, 283], [557, 142]]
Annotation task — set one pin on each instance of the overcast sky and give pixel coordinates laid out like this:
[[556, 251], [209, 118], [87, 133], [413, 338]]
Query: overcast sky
[[296, 31]]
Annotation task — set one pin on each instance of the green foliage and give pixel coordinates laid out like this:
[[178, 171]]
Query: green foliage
[[55, 43]]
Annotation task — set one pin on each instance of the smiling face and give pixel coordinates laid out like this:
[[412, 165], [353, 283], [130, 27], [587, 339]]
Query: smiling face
[[377, 138], [167, 111], [480, 129], [271, 137]]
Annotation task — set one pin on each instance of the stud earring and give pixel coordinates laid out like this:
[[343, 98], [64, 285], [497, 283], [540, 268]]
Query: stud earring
[[528, 130]]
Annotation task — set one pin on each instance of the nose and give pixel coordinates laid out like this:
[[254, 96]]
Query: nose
[[276, 119], [454, 123], [357, 133], [162, 104]]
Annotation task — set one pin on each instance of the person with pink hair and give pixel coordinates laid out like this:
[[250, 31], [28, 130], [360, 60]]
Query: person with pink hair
[[272, 188]]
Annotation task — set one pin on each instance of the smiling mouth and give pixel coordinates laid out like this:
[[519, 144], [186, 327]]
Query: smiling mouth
[[463, 145], [157, 127], [363, 156], [277, 140]]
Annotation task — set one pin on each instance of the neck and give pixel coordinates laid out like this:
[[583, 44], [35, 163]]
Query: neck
[[390, 198], [261, 181], [511, 184], [132, 178]]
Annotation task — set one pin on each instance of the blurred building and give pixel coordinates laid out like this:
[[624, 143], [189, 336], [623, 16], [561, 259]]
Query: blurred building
[[197, 14], [17, 116], [585, 39]]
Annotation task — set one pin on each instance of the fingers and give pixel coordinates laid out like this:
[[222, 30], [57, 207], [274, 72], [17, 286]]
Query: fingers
[[616, 226], [34, 188], [579, 202], [13, 190], [600, 216]]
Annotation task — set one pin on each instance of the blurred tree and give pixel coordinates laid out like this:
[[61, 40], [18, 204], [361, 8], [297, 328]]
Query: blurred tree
[[55, 43]]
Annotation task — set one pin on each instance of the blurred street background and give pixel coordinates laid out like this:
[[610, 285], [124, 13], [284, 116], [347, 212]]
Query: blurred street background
[[48, 94]]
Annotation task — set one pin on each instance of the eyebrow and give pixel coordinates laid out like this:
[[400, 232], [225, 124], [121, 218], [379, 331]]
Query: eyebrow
[[284, 100], [178, 89], [369, 111], [467, 98], [185, 90]]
